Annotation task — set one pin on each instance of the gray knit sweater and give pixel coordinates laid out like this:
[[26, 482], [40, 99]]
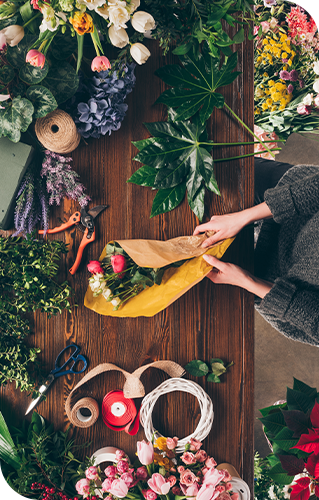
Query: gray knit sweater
[[287, 254]]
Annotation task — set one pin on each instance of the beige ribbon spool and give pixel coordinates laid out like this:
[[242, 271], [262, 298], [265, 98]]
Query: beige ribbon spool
[[133, 388], [57, 132]]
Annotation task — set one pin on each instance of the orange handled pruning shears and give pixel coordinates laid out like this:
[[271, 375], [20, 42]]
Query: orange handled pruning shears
[[85, 221]]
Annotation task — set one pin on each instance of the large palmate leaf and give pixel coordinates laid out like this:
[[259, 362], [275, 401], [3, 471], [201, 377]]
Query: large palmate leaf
[[15, 118], [195, 84], [175, 159]]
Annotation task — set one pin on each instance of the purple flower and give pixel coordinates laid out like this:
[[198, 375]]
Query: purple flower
[[284, 75], [269, 3], [290, 88], [294, 75], [301, 84]]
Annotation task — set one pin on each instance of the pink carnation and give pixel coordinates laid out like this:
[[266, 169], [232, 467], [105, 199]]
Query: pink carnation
[[172, 480], [228, 486], [92, 473], [119, 454], [106, 485], [149, 494], [122, 466], [128, 479], [110, 471], [82, 487]]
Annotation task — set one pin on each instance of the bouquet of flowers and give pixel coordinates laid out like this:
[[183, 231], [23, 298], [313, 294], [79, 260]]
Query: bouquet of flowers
[[159, 473], [286, 69]]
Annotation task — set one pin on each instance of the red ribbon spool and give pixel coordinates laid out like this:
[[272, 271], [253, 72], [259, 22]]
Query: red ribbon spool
[[119, 413]]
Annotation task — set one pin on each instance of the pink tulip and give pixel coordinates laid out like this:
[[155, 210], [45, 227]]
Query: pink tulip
[[145, 452], [159, 484], [95, 267], [190, 491], [83, 486], [100, 63], [35, 58], [207, 492], [213, 477], [118, 488]]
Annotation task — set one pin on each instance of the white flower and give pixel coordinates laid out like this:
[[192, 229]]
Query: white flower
[[106, 293], [307, 100], [316, 86], [13, 33], [51, 20], [131, 7], [316, 67], [91, 4], [4, 97], [98, 276], [142, 21], [119, 38], [273, 23], [95, 286], [271, 493], [115, 11], [115, 302], [139, 53]]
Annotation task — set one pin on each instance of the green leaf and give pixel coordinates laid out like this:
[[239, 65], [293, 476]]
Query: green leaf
[[197, 368], [144, 176], [182, 49], [15, 118], [311, 392], [16, 55], [213, 378], [274, 422], [197, 203], [273, 408], [27, 12], [8, 451], [141, 279], [80, 39], [279, 475], [62, 81], [218, 368], [240, 36], [42, 99], [33, 75], [63, 45], [6, 74], [299, 401], [168, 199], [284, 439]]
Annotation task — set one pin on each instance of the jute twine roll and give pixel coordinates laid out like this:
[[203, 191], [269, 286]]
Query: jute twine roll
[[78, 418], [57, 132]]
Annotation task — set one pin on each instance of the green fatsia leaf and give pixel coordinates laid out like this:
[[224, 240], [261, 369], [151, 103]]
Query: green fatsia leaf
[[168, 199], [15, 118], [197, 203], [195, 84]]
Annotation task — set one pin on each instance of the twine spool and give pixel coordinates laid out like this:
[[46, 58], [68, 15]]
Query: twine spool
[[178, 384], [84, 413], [57, 132]]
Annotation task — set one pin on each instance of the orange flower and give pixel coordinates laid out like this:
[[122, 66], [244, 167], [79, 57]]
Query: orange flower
[[82, 23]]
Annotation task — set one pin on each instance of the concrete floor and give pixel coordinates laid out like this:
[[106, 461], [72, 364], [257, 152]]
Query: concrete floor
[[278, 359]]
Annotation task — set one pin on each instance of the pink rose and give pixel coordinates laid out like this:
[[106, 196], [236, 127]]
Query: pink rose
[[195, 444], [207, 492], [35, 58], [159, 484], [220, 488], [171, 443], [110, 471], [210, 463], [187, 478], [95, 267], [92, 473], [227, 476], [201, 456], [213, 477], [188, 458], [82, 487], [190, 491], [118, 263], [172, 480], [180, 469], [122, 466], [302, 109], [100, 63], [141, 474], [149, 494], [119, 454], [106, 485], [145, 452], [128, 479], [225, 496], [228, 486], [118, 488]]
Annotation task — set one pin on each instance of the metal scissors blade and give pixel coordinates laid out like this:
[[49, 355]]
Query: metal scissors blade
[[43, 389], [95, 211]]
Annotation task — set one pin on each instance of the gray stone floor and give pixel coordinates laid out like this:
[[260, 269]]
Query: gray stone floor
[[278, 359]]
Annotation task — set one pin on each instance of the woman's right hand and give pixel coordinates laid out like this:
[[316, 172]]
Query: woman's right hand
[[225, 226]]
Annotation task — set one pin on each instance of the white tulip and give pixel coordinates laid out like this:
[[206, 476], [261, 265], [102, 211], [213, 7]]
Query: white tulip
[[115, 302], [307, 100], [4, 97], [119, 38], [142, 21], [13, 34], [316, 67], [106, 293], [139, 53], [95, 286], [131, 7], [316, 86]]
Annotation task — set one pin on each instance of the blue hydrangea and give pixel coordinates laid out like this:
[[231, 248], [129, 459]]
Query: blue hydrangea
[[104, 109]]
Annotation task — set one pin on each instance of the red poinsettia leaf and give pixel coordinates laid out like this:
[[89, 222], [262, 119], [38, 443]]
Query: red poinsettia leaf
[[317, 491], [308, 442], [312, 465], [314, 415], [292, 464], [301, 490]]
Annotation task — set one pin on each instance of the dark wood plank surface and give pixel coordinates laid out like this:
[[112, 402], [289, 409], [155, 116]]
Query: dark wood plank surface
[[208, 321]]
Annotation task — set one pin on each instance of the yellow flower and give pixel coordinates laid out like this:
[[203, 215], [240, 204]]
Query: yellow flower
[[259, 93], [160, 443], [290, 62], [257, 111], [265, 75], [259, 59], [271, 83], [264, 106], [265, 41], [273, 108], [284, 55], [269, 102], [82, 23], [280, 86]]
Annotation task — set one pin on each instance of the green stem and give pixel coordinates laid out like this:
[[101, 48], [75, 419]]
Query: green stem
[[245, 156], [32, 19], [247, 128], [235, 143], [95, 45]]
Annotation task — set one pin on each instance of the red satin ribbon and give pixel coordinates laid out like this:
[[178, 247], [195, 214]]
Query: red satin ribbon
[[119, 413]]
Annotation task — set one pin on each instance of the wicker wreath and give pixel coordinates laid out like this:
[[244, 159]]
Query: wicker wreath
[[178, 384]]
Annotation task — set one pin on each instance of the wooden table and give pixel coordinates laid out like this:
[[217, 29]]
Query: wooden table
[[208, 321]]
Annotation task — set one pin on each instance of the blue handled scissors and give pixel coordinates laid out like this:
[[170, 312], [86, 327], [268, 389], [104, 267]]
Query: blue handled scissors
[[59, 371]]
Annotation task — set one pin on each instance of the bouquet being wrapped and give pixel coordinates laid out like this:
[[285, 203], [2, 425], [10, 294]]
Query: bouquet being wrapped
[[142, 277], [159, 473]]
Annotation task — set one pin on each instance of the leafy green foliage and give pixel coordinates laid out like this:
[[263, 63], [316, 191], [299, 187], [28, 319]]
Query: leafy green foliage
[[15, 117], [32, 75], [42, 99], [8, 451], [28, 268], [195, 84], [264, 486], [214, 370], [63, 46], [62, 81]]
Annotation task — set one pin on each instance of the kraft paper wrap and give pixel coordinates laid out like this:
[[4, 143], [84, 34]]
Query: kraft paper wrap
[[176, 281]]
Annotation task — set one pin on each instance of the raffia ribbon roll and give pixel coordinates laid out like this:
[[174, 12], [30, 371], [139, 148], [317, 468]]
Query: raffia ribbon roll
[[57, 132], [77, 415]]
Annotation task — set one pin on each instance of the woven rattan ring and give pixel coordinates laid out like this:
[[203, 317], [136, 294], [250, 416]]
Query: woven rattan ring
[[178, 384], [57, 132]]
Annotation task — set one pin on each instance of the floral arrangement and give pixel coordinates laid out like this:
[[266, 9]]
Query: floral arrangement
[[117, 278], [292, 429], [286, 69], [272, 144], [264, 487], [159, 473]]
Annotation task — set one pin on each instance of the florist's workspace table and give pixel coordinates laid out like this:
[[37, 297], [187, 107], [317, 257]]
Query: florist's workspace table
[[208, 321]]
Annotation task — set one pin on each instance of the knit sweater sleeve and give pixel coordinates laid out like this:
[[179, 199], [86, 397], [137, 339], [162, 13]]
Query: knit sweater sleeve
[[293, 305], [290, 198]]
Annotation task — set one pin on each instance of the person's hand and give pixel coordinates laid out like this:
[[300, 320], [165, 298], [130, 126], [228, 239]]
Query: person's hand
[[230, 274], [225, 226]]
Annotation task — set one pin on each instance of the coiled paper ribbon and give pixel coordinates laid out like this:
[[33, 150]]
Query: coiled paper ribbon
[[133, 388], [119, 413]]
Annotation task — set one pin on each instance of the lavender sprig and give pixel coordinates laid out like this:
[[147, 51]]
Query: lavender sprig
[[61, 180]]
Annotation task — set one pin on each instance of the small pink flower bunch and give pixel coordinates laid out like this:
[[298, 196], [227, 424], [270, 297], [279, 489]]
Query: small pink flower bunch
[[264, 136]]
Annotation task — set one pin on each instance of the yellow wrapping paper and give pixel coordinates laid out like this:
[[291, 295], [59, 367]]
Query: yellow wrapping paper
[[175, 282]]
